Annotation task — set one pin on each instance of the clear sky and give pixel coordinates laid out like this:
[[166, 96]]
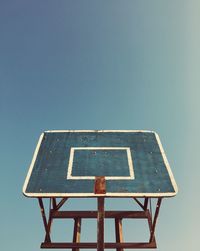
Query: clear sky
[[107, 64]]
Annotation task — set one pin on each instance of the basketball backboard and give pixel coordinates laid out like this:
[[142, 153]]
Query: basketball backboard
[[66, 164]]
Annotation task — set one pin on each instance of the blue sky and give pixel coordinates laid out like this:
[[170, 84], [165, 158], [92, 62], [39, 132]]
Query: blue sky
[[99, 65]]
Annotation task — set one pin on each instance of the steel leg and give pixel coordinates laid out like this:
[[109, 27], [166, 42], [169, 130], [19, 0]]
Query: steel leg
[[46, 225], [155, 219], [100, 224]]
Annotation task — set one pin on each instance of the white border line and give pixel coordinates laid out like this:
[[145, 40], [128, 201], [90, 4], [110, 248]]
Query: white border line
[[52, 131], [129, 158], [84, 195], [32, 165], [167, 164], [78, 195]]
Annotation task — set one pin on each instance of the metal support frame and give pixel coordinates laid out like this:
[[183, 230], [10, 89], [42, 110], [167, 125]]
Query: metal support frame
[[100, 215]]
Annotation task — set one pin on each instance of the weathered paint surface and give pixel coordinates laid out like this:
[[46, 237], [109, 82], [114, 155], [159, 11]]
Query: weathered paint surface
[[50, 168]]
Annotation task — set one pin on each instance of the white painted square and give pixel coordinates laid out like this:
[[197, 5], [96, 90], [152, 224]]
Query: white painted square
[[71, 159]]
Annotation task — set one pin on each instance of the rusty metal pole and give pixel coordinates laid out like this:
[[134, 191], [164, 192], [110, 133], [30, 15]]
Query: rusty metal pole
[[118, 232], [100, 224], [146, 203], [46, 225], [155, 219]]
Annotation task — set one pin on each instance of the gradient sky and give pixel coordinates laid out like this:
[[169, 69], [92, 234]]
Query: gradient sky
[[107, 64]]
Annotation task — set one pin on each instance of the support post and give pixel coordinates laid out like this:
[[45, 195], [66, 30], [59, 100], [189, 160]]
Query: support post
[[146, 203], [100, 224], [54, 203], [155, 219], [77, 232], [118, 233], [46, 225]]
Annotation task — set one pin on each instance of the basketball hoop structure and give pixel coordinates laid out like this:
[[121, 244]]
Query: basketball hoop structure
[[99, 164]]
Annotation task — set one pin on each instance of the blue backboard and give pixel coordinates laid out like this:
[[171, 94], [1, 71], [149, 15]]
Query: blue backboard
[[66, 164]]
